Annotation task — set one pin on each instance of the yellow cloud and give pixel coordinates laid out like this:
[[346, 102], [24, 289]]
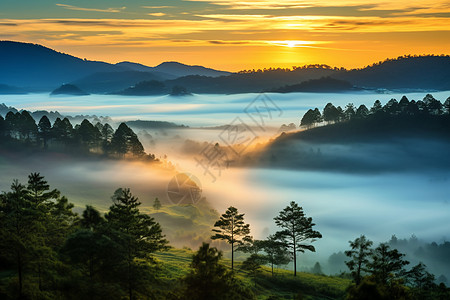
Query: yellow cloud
[[157, 14], [371, 4]]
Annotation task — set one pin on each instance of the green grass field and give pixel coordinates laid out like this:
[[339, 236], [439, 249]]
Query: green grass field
[[283, 285]]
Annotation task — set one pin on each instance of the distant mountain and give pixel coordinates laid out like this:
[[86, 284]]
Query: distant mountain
[[107, 82], [174, 69], [34, 66], [179, 69], [140, 124], [145, 88], [321, 85], [134, 66], [254, 82], [69, 89], [38, 68], [8, 89]]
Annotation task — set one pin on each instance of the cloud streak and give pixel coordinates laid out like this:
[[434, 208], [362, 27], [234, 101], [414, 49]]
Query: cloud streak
[[106, 10]]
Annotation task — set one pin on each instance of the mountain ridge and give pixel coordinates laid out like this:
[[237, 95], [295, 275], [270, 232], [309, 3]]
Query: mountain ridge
[[32, 67]]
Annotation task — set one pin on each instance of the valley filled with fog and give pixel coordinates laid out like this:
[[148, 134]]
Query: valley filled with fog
[[402, 196]]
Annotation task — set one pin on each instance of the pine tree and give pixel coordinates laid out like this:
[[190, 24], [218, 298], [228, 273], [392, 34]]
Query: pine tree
[[45, 129], [232, 229], [360, 254], [138, 234], [387, 264], [297, 233], [125, 141]]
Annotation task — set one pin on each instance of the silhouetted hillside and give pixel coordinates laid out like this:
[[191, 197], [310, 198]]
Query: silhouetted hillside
[[248, 82], [322, 85], [179, 70], [425, 72], [107, 82], [8, 89], [145, 88], [69, 89], [37, 67]]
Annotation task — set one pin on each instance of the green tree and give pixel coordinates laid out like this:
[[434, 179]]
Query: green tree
[[107, 135], [311, 117], [447, 106], [156, 204], [232, 229], [27, 126], [434, 106], [89, 134], [3, 128], [317, 269], [53, 217], [387, 264], [377, 107], [45, 129], [125, 141], [138, 234], [35, 222], [253, 264], [331, 113], [95, 254], [17, 241], [209, 278], [359, 257], [297, 231], [63, 131], [421, 281], [362, 112], [391, 107], [275, 251], [349, 112]]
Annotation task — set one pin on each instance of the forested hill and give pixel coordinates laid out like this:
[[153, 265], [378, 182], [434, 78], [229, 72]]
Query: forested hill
[[401, 135]]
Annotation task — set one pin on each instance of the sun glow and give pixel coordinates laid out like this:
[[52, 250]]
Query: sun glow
[[294, 44]]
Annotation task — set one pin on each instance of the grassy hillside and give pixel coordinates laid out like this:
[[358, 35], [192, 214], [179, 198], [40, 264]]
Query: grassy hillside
[[283, 285], [185, 225]]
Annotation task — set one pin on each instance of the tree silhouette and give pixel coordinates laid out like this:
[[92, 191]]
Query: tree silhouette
[[297, 231], [138, 234], [232, 229], [88, 134], [209, 279], [311, 117], [359, 257], [349, 112], [386, 264], [156, 204], [331, 113], [377, 107], [45, 128], [126, 141], [275, 250], [447, 106]]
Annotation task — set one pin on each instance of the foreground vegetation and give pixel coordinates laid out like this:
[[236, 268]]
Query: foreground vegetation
[[49, 252]]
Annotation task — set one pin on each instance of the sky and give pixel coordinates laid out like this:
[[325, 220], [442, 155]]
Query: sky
[[232, 34]]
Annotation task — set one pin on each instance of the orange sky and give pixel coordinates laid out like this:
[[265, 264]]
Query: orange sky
[[232, 35]]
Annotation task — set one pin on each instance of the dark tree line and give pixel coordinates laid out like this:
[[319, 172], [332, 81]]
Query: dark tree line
[[20, 127], [380, 273], [331, 114]]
